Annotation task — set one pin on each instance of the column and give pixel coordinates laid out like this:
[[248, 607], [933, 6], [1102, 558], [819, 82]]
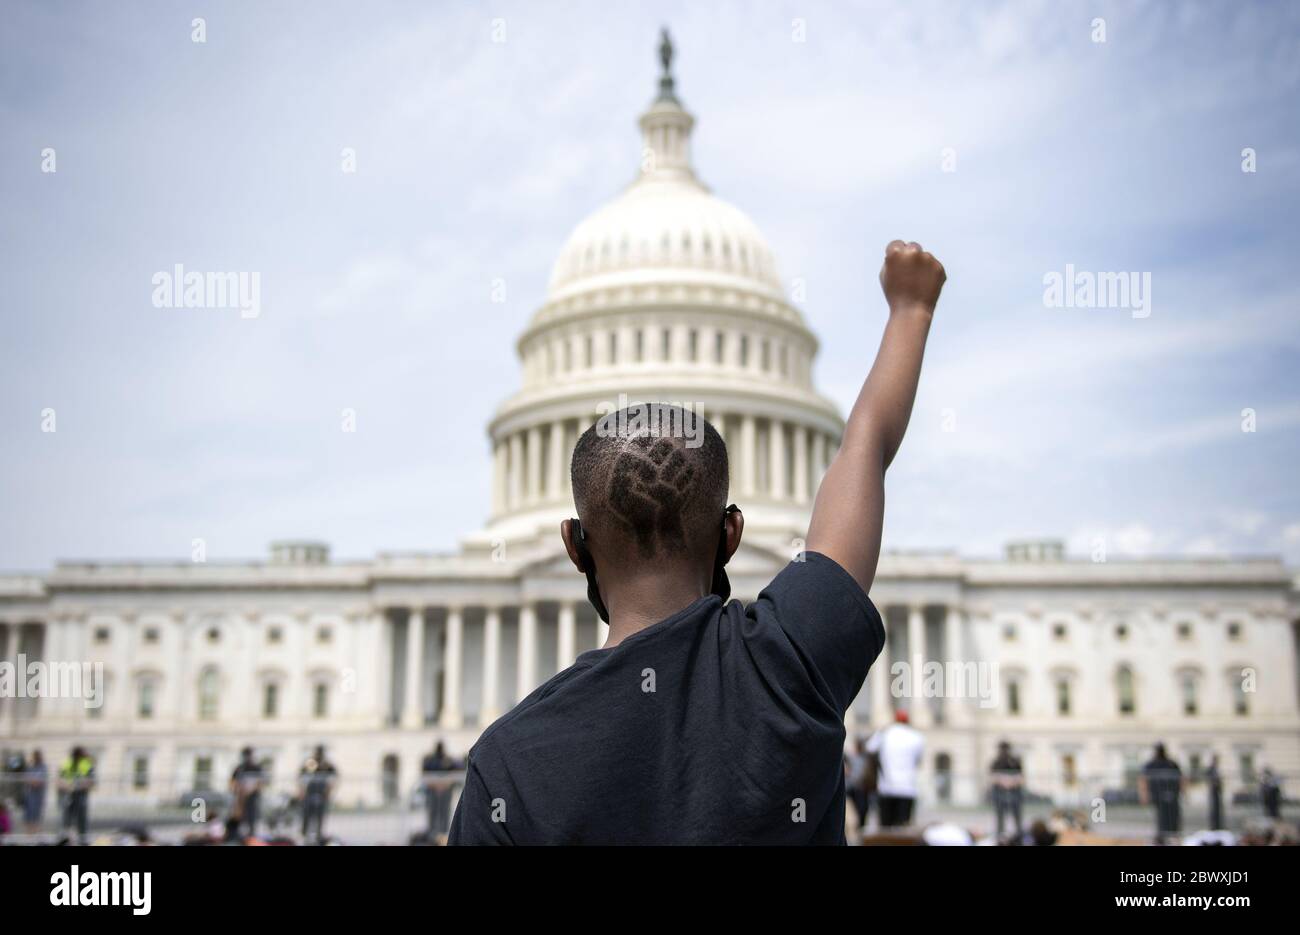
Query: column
[[748, 455], [602, 633], [776, 460], [954, 709], [800, 464], [452, 718], [498, 478], [879, 678], [516, 482], [491, 707], [47, 708], [567, 643], [919, 709], [731, 348], [533, 487], [527, 664], [570, 442], [413, 706], [556, 470], [819, 459]]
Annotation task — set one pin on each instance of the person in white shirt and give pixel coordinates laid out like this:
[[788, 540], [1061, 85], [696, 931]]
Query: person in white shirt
[[898, 749]]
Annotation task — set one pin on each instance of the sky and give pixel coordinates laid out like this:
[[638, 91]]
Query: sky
[[1004, 137]]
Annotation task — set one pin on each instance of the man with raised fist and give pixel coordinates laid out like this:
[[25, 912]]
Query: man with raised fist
[[702, 720]]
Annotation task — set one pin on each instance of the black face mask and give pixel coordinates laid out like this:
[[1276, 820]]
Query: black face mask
[[721, 583]]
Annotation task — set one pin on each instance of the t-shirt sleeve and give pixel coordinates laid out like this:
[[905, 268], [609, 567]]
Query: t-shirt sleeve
[[828, 620], [475, 820]]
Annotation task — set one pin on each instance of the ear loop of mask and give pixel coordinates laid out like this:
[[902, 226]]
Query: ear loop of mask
[[721, 583], [589, 569]]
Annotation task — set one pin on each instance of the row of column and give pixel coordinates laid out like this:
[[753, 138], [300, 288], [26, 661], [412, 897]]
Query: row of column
[[452, 714], [531, 466], [32, 639], [955, 711], [624, 345]]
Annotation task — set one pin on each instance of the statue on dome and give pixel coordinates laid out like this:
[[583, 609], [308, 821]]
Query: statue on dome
[[666, 92]]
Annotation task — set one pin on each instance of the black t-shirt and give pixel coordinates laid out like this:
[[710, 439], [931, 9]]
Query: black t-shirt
[[719, 725]]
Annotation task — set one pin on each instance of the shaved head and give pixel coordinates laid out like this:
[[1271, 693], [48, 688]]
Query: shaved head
[[650, 481]]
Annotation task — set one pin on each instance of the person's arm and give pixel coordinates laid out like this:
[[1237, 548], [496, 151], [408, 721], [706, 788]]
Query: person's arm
[[848, 515]]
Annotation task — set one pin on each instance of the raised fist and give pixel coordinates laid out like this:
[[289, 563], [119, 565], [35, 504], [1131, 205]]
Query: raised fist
[[911, 277]]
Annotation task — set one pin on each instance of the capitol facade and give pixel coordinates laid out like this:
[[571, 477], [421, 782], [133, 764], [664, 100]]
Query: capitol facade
[[667, 293]]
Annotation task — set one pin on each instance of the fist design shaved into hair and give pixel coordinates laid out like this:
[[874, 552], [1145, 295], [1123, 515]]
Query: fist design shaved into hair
[[648, 488]]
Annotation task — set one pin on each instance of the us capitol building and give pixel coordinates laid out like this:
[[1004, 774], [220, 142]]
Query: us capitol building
[[665, 293]]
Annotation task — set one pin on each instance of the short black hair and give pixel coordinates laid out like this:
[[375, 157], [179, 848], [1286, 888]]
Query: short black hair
[[655, 473]]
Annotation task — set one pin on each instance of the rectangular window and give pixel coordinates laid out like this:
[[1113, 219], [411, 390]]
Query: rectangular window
[[1063, 697], [146, 700], [270, 700], [140, 771], [320, 701], [202, 773]]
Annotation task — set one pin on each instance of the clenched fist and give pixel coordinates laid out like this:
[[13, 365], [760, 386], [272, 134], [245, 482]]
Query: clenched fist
[[911, 277]]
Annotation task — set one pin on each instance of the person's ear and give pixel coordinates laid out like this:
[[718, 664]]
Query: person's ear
[[735, 523], [566, 533]]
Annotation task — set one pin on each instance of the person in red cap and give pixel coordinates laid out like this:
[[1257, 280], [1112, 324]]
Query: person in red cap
[[898, 749]]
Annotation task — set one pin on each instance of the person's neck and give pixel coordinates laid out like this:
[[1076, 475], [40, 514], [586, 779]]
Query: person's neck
[[648, 596]]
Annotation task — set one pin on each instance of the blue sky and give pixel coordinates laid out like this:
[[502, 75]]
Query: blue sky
[[476, 158]]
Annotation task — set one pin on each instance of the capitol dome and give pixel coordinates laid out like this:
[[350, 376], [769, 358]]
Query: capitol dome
[[666, 226], [667, 293]]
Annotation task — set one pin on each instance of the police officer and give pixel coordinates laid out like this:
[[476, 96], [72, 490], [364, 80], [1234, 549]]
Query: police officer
[[1008, 787], [315, 784], [437, 789], [246, 786], [76, 779], [1162, 786], [1214, 781]]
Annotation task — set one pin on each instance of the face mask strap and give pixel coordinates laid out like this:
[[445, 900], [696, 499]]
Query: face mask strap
[[588, 568]]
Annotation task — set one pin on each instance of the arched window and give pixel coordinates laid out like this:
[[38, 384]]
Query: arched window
[[1013, 695], [1240, 694], [1125, 690], [1063, 700], [271, 700], [209, 694], [146, 697], [320, 699]]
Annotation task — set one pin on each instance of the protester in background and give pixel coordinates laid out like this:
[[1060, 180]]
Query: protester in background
[[856, 780], [1270, 794], [76, 779], [36, 780], [898, 748], [1008, 787], [1161, 785], [246, 786], [6, 823], [316, 783], [437, 789], [1214, 784]]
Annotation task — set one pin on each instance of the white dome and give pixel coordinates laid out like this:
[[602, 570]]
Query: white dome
[[665, 225]]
